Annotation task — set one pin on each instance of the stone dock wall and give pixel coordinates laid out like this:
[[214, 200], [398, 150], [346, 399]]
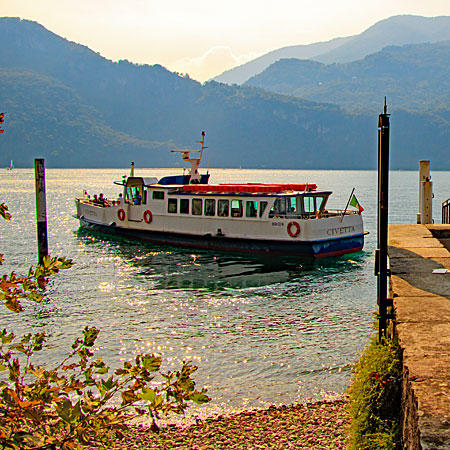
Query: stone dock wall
[[420, 287]]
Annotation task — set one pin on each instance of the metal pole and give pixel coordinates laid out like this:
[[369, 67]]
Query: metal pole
[[381, 262], [41, 209], [348, 203]]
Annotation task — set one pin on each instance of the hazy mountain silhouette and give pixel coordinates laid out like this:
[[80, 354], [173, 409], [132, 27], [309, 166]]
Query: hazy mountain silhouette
[[396, 30], [240, 74]]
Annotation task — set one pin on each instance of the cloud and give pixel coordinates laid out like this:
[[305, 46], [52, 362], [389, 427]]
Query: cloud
[[215, 61]]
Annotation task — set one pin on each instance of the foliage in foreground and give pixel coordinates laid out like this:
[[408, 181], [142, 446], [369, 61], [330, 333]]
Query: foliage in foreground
[[375, 398], [79, 402]]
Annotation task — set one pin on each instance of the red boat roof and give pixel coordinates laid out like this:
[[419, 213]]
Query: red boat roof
[[250, 187]]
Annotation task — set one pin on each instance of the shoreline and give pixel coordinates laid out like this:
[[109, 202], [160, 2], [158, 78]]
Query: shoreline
[[320, 425]]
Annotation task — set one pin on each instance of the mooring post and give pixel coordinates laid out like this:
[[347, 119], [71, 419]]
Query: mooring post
[[381, 255], [41, 209], [425, 214]]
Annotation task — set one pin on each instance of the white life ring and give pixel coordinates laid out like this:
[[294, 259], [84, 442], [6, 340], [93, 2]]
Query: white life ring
[[148, 216], [293, 229], [121, 214]]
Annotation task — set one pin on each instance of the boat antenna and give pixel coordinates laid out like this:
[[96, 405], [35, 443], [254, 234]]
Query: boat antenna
[[203, 144]]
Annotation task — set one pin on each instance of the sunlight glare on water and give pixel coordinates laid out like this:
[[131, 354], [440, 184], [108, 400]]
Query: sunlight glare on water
[[262, 331]]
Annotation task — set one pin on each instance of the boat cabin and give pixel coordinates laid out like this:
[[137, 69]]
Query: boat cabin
[[203, 201]]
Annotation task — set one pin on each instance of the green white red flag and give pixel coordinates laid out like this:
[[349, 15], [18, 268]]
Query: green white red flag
[[354, 202]]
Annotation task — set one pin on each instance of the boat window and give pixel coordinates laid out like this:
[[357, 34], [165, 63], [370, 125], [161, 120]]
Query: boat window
[[319, 202], [172, 205], [223, 208], [278, 208], [184, 206], [236, 208], [133, 195], [130, 194], [291, 204], [158, 195], [309, 204], [210, 207], [196, 206], [262, 208], [251, 207]]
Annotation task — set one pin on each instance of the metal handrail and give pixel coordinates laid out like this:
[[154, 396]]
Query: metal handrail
[[446, 211]]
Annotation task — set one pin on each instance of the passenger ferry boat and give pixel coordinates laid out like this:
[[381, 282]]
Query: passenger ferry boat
[[186, 210]]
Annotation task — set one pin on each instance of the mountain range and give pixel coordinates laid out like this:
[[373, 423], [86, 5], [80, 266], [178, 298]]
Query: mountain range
[[72, 106], [412, 76], [396, 30]]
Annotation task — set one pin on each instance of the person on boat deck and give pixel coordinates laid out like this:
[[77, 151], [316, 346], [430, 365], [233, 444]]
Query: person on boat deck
[[137, 198], [95, 199], [119, 199], [101, 199]]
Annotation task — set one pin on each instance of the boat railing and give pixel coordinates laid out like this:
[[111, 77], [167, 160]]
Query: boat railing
[[446, 211], [321, 215], [105, 203], [340, 212]]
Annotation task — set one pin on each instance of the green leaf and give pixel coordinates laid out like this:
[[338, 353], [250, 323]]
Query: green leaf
[[7, 338], [199, 398], [151, 363], [67, 412], [109, 383], [148, 395], [90, 335]]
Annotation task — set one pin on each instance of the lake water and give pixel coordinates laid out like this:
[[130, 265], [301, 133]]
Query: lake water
[[261, 331]]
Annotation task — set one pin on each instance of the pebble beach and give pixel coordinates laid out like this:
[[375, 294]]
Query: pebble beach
[[320, 425]]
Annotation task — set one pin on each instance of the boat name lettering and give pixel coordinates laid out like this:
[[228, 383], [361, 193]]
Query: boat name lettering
[[277, 224], [340, 230]]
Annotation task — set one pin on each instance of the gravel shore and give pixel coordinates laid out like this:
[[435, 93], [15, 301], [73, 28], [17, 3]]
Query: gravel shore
[[320, 425]]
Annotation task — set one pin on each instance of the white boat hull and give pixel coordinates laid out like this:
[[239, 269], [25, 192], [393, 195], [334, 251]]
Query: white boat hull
[[319, 237]]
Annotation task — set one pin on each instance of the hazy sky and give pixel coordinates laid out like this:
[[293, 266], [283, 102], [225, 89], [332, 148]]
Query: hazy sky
[[206, 37]]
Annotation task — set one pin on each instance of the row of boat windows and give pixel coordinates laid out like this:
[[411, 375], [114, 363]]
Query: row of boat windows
[[283, 206], [211, 207]]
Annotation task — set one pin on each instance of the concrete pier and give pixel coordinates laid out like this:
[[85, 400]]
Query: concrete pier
[[420, 287]]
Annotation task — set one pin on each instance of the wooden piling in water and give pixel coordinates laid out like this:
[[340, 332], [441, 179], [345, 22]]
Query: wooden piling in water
[[381, 256], [425, 214], [41, 209]]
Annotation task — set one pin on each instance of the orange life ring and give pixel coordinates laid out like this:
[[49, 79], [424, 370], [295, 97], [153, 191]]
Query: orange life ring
[[148, 216], [121, 214], [293, 229]]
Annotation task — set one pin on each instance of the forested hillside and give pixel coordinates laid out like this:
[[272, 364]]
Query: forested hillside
[[412, 76], [70, 105]]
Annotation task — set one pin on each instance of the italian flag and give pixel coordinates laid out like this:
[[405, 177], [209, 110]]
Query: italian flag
[[354, 202]]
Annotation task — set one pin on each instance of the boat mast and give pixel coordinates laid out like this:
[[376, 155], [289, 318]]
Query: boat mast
[[194, 162]]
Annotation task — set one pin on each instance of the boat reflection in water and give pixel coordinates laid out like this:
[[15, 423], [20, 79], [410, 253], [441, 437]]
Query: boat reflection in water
[[170, 267]]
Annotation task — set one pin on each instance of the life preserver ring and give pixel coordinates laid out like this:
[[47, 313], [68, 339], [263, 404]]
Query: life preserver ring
[[293, 229], [121, 214], [148, 216]]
